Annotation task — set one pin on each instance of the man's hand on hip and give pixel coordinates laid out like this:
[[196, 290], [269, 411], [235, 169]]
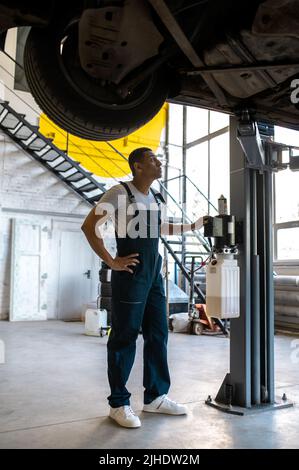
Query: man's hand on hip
[[122, 263]]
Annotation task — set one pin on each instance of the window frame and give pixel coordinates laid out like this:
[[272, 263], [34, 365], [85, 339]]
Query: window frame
[[280, 226]]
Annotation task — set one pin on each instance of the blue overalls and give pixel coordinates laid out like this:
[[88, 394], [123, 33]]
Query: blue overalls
[[138, 301]]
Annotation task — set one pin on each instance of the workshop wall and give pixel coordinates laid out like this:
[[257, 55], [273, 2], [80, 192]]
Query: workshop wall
[[27, 190]]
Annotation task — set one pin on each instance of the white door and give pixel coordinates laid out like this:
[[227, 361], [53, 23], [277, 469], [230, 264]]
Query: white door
[[28, 296], [78, 275]]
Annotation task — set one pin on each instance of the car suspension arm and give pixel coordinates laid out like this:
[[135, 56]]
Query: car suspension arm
[[184, 44]]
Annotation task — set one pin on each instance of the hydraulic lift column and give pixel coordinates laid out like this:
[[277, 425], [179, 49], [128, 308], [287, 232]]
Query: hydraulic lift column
[[250, 383]]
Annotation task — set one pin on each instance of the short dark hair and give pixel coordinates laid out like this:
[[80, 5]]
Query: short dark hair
[[136, 156]]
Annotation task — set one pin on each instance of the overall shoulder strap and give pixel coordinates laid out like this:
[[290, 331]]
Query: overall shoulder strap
[[158, 197], [129, 192]]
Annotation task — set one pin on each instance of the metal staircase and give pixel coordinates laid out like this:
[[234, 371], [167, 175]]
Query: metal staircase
[[47, 154]]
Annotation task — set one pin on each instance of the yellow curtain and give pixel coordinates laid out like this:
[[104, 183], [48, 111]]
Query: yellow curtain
[[98, 157]]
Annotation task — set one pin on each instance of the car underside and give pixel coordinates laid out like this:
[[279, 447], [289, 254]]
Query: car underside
[[101, 69]]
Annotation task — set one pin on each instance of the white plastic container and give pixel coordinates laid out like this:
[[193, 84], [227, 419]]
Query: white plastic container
[[223, 288], [85, 307], [94, 320]]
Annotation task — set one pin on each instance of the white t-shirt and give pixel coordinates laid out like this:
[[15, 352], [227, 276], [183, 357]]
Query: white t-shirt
[[122, 212]]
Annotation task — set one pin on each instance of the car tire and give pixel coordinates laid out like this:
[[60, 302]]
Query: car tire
[[53, 80], [105, 303], [197, 328], [105, 275], [106, 290]]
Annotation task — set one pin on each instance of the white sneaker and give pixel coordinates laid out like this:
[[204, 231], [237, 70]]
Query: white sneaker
[[125, 416], [163, 404]]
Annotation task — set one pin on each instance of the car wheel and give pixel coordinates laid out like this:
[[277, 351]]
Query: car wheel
[[106, 290], [79, 103], [105, 275], [197, 329], [105, 303]]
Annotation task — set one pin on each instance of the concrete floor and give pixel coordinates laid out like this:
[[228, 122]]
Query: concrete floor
[[53, 392]]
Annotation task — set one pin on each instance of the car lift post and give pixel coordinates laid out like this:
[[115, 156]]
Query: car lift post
[[249, 386]]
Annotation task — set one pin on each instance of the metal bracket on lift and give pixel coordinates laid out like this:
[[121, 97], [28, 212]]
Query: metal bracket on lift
[[250, 140], [263, 154]]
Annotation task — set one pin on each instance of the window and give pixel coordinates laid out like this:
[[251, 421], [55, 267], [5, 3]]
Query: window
[[197, 169], [287, 243], [197, 123], [207, 159], [286, 197], [218, 121], [219, 168]]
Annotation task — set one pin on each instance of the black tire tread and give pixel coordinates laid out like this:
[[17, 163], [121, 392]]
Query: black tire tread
[[106, 290], [51, 90]]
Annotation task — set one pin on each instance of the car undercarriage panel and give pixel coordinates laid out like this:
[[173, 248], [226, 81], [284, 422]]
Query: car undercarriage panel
[[237, 60], [109, 39], [224, 56]]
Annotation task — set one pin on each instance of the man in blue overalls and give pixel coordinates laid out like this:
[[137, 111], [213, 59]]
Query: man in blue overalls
[[138, 298]]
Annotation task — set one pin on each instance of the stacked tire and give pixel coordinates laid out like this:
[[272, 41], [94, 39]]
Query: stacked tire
[[105, 293]]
